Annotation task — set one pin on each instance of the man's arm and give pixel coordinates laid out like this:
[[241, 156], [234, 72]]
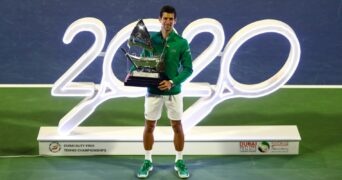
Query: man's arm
[[186, 62]]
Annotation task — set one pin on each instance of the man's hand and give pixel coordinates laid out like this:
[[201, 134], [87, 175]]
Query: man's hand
[[165, 85]]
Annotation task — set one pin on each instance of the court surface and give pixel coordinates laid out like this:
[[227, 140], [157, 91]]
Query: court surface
[[316, 112]]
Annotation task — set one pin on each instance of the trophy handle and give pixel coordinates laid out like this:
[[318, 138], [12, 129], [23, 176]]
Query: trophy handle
[[129, 58]]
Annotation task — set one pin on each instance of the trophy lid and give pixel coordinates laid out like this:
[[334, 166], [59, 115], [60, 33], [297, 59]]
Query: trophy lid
[[140, 36]]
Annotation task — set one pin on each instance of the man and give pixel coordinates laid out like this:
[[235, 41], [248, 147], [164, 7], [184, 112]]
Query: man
[[176, 55]]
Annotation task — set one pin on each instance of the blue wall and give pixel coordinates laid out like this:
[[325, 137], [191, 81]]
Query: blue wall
[[32, 51]]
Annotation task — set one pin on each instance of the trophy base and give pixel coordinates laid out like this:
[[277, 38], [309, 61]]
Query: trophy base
[[143, 79]]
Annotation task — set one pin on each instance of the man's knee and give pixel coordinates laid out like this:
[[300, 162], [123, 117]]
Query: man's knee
[[177, 126], [149, 126]]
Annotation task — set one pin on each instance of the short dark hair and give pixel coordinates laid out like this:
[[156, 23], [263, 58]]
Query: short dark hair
[[167, 9]]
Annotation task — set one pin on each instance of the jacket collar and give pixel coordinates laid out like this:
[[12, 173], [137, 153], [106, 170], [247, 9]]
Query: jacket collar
[[170, 37]]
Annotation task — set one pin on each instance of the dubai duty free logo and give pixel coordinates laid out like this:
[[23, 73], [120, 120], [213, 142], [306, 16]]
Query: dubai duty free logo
[[264, 147]]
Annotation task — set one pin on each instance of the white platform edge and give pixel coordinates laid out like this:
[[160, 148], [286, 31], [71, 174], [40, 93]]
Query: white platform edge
[[164, 133], [201, 140]]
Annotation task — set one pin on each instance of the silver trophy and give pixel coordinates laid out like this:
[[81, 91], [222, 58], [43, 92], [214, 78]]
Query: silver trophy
[[146, 71]]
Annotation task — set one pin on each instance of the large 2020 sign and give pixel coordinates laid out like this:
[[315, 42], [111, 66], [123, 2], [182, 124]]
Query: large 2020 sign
[[210, 95]]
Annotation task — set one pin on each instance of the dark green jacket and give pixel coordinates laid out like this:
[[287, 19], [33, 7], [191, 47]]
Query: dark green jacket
[[177, 59]]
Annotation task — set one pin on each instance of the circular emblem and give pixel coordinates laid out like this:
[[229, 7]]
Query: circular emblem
[[264, 147], [55, 147]]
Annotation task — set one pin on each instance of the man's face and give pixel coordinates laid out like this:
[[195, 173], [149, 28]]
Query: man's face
[[167, 21]]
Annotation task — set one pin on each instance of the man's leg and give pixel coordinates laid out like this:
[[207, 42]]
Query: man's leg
[[153, 107], [174, 105], [148, 137], [178, 141], [178, 138], [153, 110]]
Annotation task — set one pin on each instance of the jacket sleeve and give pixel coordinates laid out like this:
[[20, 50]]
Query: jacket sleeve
[[186, 64]]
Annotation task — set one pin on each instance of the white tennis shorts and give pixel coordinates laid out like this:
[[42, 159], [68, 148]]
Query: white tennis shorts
[[154, 106]]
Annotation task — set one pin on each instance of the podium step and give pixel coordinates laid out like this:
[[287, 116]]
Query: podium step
[[201, 140]]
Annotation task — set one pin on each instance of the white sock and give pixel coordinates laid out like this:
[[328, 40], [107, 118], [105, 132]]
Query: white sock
[[148, 155], [179, 155]]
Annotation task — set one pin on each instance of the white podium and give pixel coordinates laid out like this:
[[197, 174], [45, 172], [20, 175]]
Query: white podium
[[201, 140]]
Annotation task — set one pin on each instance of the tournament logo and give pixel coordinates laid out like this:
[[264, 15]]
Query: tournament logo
[[264, 147], [55, 147], [210, 95]]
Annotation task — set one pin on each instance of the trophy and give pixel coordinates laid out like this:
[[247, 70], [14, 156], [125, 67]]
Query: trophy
[[146, 71]]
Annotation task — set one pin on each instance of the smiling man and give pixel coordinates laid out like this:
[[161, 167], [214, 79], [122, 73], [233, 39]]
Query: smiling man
[[175, 53]]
